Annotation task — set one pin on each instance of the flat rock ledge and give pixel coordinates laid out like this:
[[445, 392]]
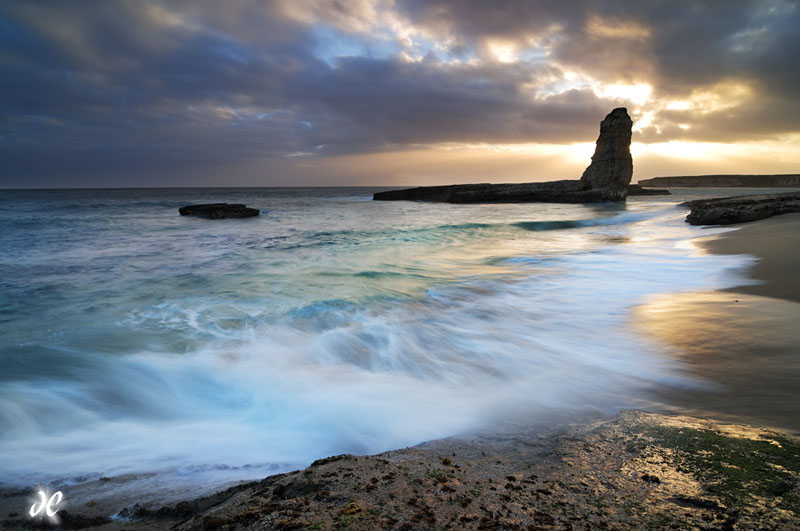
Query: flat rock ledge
[[740, 209], [548, 192], [606, 179], [219, 211], [728, 181]]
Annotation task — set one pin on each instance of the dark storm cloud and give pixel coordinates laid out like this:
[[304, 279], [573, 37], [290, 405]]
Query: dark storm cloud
[[88, 86], [126, 87], [395, 102], [690, 42]]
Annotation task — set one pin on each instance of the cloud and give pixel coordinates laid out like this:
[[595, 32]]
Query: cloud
[[675, 47], [176, 87]]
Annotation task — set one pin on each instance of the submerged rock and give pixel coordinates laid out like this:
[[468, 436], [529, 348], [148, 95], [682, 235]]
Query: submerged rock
[[739, 209], [606, 179], [219, 211]]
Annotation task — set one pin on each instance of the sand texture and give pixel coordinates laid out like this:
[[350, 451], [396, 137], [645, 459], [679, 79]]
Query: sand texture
[[776, 242]]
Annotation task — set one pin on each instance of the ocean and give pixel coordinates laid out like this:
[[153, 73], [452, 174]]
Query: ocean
[[183, 350]]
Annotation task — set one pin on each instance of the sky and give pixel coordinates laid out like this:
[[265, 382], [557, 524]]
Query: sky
[[390, 92]]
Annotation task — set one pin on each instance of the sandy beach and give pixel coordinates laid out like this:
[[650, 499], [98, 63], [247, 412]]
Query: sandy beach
[[742, 342], [775, 242]]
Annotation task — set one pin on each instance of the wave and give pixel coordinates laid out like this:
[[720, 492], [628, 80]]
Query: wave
[[433, 231], [338, 376], [212, 353]]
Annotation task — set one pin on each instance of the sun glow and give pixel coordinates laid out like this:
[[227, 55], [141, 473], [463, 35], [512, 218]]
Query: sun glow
[[684, 150], [719, 152], [503, 52], [616, 29], [638, 93], [719, 97]]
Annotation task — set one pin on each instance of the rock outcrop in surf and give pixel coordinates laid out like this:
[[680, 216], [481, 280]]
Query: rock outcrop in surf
[[606, 179], [612, 165], [740, 209], [219, 211]]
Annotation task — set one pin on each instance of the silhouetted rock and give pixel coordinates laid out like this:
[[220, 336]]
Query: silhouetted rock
[[635, 189], [606, 178], [219, 211], [739, 209], [612, 165]]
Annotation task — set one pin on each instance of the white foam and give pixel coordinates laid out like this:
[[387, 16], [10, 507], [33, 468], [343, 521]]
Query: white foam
[[308, 366], [374, 377]]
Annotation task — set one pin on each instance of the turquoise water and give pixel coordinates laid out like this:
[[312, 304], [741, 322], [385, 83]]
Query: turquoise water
[[135, 340]]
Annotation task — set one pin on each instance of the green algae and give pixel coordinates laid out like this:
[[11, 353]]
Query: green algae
[[734, 468]]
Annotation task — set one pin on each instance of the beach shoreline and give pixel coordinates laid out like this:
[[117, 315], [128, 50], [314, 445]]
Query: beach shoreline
[[741, 341], [765, 305]]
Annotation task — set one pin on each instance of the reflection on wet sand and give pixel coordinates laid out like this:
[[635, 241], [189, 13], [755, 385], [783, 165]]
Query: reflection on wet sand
[[746, 346]]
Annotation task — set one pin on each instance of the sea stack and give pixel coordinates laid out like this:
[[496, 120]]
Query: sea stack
[[606, 179], [612, 165]]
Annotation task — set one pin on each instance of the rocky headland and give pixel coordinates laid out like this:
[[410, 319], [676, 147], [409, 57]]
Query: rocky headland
[[606, 179], [739, 209], [725, 181], [219, 211]]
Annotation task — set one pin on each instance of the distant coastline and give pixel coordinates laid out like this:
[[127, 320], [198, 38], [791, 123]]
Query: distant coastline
[[725, 181]]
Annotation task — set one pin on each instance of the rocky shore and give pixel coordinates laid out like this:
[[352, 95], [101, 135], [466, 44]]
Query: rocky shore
[[636, 470], [739, 209]]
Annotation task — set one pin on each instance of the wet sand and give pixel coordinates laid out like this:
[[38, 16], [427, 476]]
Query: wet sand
[[744, 343], [742, 348], [776, 242]]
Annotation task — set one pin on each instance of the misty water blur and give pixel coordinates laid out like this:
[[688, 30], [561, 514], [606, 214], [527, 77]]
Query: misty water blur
[[135, 340]]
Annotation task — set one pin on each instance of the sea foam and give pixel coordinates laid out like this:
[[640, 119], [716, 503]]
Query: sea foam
[[234, 369]]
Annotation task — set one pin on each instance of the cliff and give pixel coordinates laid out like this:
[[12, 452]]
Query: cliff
[[723, 181]]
